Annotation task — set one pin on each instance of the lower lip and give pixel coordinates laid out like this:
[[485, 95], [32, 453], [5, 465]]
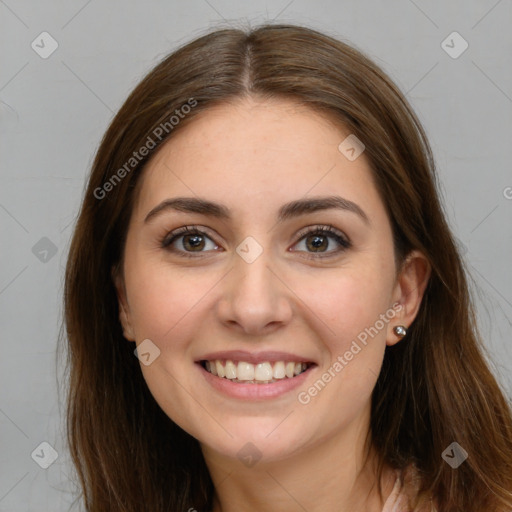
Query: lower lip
[[255, 391]]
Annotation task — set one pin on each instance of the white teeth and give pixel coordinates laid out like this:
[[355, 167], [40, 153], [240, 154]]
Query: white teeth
[[230, 370], [245, 371], [220, 369], [261, 373], [279, 372]]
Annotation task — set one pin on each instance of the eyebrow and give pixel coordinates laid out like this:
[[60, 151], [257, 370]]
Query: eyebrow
[[287, 211]]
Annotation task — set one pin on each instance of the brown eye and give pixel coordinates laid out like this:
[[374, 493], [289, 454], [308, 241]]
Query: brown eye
[[317, 243], [193, 242], [187, 240], [318, 240]]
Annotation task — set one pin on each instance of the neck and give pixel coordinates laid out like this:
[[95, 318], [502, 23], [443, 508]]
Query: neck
[[334, 475]]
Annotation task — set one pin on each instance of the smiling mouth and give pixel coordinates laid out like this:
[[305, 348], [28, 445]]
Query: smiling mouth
[[242, 372]]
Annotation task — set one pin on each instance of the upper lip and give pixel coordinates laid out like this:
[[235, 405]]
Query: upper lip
[[254, 357]]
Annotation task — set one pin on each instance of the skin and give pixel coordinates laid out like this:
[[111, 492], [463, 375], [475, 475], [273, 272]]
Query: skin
[[253, 156]]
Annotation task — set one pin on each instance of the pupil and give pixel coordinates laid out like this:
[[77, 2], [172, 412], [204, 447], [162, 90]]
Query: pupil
[[194, 240], [318, 241]]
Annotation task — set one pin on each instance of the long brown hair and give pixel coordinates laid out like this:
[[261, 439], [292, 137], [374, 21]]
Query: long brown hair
[[435, 387]]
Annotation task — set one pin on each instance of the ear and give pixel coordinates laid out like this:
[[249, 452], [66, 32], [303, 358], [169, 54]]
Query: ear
[[409, 288], [124, 309]]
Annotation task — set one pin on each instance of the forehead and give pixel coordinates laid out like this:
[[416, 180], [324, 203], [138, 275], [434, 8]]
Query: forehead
[[256, 152]]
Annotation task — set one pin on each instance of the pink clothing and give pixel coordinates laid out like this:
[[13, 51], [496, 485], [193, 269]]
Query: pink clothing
[[397, 501], [406, 483]]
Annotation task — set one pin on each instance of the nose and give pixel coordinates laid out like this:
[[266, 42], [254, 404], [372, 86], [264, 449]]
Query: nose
[[255, 299]]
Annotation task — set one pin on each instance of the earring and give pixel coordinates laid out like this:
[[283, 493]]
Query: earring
[[400, 330]]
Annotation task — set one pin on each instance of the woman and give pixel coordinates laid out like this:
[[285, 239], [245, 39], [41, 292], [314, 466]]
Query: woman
[[262, 222]]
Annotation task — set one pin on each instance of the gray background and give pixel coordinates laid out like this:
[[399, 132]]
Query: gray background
[[53, 112]]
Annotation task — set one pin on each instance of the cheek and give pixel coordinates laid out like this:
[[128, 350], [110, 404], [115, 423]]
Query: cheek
[[162, 298], [165, 306], [355, 314], [349, 301]]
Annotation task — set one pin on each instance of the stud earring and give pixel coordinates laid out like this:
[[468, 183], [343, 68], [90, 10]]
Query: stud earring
[[400, 330]]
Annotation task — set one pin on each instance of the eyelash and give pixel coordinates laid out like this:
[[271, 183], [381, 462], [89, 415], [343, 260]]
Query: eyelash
[[322, 230]]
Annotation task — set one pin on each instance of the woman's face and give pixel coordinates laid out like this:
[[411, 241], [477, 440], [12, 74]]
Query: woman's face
[[258, 286]]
